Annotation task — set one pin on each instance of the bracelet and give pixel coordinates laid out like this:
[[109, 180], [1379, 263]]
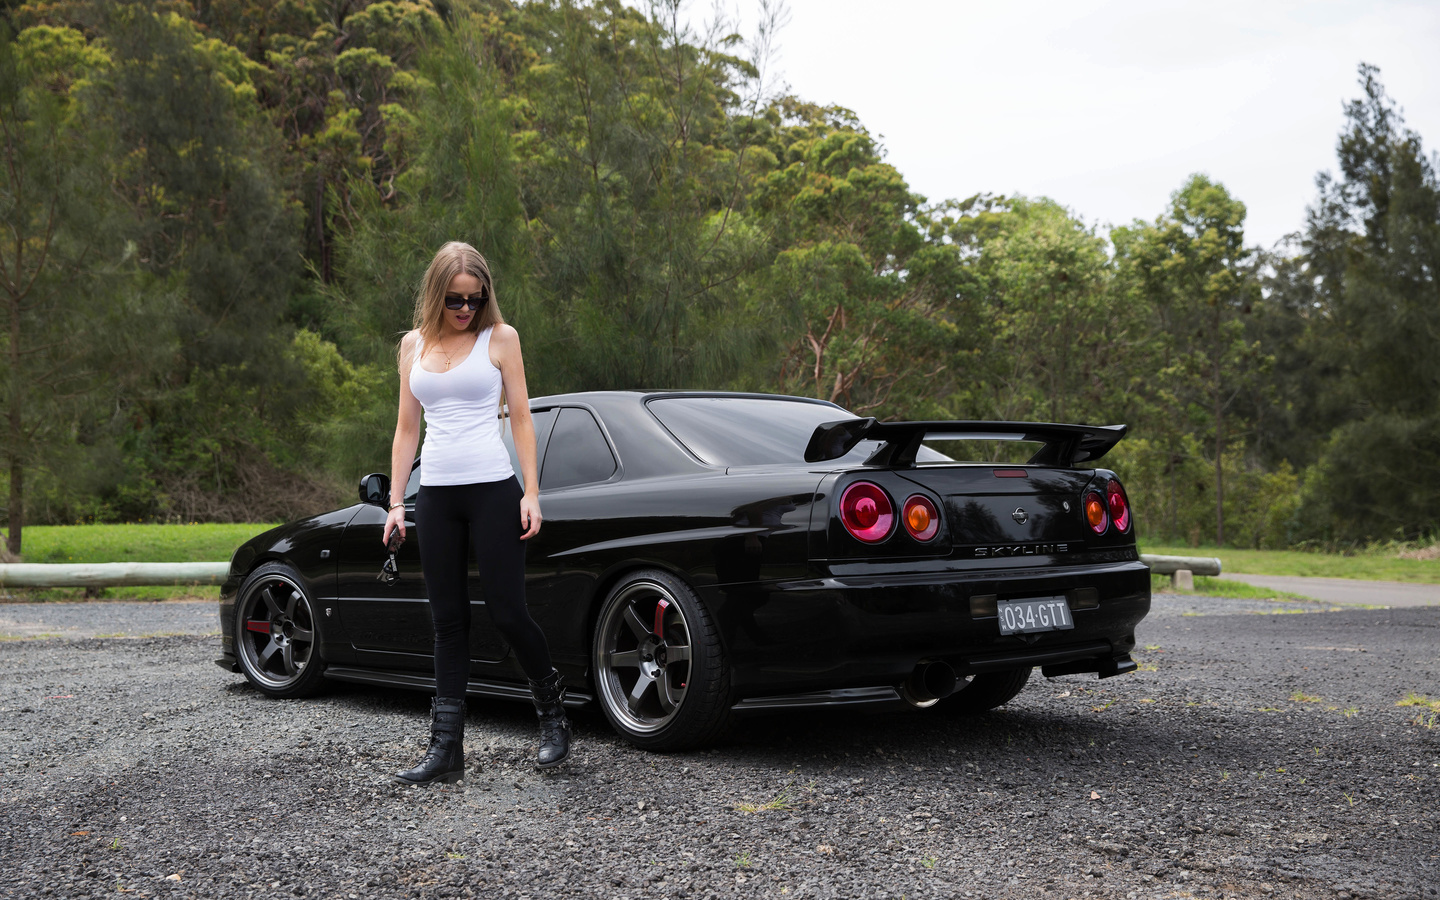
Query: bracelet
[[393, 505]]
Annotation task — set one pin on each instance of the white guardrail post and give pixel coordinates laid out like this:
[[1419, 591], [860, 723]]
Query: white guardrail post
[[1181, 569], [98, 575]]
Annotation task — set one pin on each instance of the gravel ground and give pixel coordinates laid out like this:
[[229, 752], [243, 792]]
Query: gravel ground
[[1255, 755]]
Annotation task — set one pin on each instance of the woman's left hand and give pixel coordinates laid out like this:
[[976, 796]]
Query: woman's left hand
[[529, 516]]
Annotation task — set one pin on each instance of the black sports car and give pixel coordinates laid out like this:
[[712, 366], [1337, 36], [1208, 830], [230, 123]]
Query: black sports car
[[711, 554]]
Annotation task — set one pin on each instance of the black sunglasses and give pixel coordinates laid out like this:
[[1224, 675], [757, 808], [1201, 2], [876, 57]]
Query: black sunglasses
[[471, 301]]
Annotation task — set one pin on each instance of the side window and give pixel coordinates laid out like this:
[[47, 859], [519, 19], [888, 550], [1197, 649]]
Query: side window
[[544, 420], [576, 453]]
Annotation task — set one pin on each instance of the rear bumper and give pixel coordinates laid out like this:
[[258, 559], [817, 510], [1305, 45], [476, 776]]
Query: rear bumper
[[832, 635]]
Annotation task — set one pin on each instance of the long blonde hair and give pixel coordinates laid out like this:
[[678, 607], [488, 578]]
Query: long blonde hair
[[450, 260]]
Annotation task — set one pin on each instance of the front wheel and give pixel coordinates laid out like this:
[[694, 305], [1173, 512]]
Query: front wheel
[[277, 638], [660, 672], [986, 691]]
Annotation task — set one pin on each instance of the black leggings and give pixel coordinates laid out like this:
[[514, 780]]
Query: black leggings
[[449, 518]]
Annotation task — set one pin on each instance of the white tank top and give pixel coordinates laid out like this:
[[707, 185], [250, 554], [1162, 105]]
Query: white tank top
[[462, 425]]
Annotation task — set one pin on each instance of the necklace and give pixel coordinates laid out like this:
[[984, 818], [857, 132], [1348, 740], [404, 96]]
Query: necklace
[[441, 348]]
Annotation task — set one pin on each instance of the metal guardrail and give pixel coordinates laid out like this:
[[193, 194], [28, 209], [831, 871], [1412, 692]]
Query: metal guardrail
[[1169, 565], [97, 575], [39, 575]]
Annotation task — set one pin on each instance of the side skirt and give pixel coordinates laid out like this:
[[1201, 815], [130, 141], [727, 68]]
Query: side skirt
[[881, 697], [418, 682]]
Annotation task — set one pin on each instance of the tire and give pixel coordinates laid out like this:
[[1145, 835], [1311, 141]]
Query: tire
[[277, 637], [985, 692], [668, 691]]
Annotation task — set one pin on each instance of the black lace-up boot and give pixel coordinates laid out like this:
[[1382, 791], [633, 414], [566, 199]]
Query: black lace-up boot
[[549, 695], [445, 760]]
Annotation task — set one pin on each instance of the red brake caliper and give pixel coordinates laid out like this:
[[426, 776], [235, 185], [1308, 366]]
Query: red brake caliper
[[259, 625], [660, 622]]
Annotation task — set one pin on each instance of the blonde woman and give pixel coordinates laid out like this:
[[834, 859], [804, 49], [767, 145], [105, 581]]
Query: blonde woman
[[453, 367]]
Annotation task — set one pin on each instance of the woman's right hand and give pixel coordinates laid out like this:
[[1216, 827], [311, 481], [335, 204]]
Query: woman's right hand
[[394, 521]]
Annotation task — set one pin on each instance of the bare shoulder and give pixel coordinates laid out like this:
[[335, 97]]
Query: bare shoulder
[[505, 333], [408, 343], [504, 338]]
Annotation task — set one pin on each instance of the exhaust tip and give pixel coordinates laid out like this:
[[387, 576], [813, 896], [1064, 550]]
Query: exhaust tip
[[928, 684]]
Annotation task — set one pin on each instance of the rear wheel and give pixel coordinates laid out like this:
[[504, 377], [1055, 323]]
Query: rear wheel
[[985, 692], [660, 672], [277, 639]]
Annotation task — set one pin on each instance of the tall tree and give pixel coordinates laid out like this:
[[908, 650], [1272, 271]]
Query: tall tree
[[51, 195], [217, 244], [1059, 339], [1382, 213], [635, 142], [861, 283], [1193, 268]]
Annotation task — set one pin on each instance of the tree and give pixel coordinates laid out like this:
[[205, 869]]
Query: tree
[[1193, 269], [1059, 340], [635, 139], [1378, 474], [860, 284], [51, 196], [216, 248]]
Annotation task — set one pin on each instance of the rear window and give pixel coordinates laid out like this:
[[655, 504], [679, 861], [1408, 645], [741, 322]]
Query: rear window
[[952, 448], [750, 431]]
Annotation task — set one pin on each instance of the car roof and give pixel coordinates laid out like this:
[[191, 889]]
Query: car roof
[[632, 395], [645, 446]]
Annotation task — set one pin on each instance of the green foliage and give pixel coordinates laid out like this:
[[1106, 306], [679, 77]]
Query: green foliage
[[1193, 272], [260, 186], [860, 286], [1060, 337], [53, 204]]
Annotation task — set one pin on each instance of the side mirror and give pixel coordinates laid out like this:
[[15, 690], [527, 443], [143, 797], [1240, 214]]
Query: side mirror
[[375, 489]]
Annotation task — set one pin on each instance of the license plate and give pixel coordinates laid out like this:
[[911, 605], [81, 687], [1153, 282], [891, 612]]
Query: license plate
[[1028, 616]]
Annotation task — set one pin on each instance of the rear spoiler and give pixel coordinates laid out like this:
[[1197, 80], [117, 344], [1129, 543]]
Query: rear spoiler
[[1065, 445]]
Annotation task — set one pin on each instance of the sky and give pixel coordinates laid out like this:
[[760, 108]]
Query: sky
[[1107, 107]]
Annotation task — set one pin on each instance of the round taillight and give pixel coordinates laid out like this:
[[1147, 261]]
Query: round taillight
[[921, 518], [1095, 512], [1118, 504], [866, 512]]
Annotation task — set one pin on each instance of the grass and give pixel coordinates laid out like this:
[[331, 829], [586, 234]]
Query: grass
[[1414, 699], [199, 542], [1378, 564], [1221, 587], [782, 800]]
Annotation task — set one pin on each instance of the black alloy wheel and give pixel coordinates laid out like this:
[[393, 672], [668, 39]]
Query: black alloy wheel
[[660, 672], [276, 634], [985, 692]]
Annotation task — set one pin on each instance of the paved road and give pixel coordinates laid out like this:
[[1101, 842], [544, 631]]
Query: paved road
[[1253, 755], [1348, 591]]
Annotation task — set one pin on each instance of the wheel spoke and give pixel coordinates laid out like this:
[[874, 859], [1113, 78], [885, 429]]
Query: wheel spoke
[[260, 626], [267, 594], [637, 692], [267, 653], [625, 659], [677, 653], [302, 634], [288, 657], [291, 603], [636, 624], [667, 694]]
